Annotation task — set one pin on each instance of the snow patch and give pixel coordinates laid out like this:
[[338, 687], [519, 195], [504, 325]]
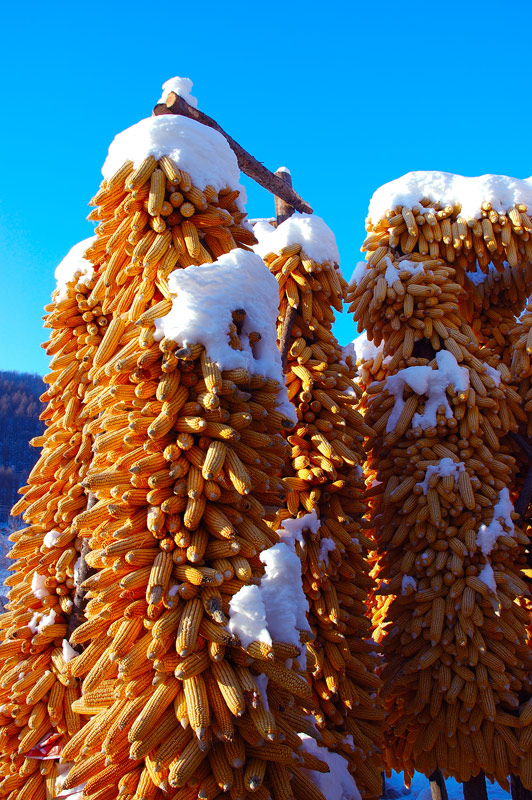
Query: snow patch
[[326, 546], [292, 529], [38, 587], [488, 534], [406, 582], [73, 267], [365, 350], [358, 273], [40, 621], [50, 538], [338, 784], [247, 616], [430, 382], [182, 87], [392, 270], [284, 599], [445, 468], [68, 651], [315, 237]]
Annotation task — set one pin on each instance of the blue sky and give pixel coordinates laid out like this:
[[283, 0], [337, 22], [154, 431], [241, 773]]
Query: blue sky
[[348, 95]]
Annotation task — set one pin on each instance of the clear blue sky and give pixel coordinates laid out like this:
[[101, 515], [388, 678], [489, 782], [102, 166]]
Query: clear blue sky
[[348, 95]]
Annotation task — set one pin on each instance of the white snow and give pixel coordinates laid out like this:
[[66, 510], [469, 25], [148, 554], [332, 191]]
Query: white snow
[[51, 538], [488, 534], [338, 784], [359, 272], [406, 582], [247, 616], [486, 575], [201, 151], [262, 682], [494, 374], [283, 596], [326, 546], [445, 468], [182, 87], [77, 566], [40, 621], [38, 588], [206, 296], [501, 191], [315, 237], [68, 651], [392, 270], [432, 383], [292, 529], [365, 350], [74, 266], [277, 608]]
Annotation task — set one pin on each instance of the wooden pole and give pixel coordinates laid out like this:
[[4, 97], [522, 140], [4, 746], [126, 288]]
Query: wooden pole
[[253, 168], [77, 616], [475, 788], [438, 788], [518, 790], [284, 211]]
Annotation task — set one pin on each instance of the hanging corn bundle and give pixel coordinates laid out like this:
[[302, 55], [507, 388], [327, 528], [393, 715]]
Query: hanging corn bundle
[[449, 553], [179, 445], [326, 492], [36, 694]]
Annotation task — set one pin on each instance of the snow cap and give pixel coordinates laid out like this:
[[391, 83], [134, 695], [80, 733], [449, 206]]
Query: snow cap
[[197, 149], [448, 189], [182, 87], [73, 266], [315, 237]]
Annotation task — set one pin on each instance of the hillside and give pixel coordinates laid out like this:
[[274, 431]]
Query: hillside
[[19, 422]]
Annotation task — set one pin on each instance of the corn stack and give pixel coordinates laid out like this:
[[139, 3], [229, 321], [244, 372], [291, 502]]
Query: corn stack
[[326, 493], [185, 471], [449, 553], [36, 695]]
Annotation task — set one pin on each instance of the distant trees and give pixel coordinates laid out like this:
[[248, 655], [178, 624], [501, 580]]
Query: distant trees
[[19, 422]]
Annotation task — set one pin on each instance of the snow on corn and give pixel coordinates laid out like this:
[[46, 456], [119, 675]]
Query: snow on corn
[[325, 504], [449, 555]]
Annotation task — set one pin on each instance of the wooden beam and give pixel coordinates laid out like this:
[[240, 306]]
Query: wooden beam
[[438, 788], [518, 790], [475, 788], [77, 615], [284, 211], [249, 165]]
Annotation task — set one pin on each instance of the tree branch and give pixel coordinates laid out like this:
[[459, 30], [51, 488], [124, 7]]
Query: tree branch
[[253, 168], [77, 615]]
